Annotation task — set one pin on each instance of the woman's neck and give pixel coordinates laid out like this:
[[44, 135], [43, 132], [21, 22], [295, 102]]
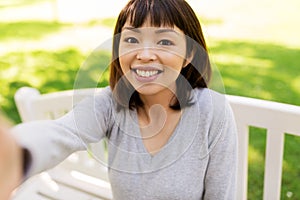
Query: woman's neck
[[156, 104], [162, 98]]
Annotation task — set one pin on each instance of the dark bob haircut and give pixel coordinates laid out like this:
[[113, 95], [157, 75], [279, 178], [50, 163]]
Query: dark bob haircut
[[163, 13]]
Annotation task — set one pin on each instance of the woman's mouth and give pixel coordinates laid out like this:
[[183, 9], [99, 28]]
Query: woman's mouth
[[146, 75]]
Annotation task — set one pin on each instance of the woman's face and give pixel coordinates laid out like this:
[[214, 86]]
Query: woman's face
[[151, 58]]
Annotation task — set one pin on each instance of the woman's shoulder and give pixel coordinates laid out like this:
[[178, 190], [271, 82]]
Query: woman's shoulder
[[210, 100], [103, 91], [214, 106], [97, 99], [103, 94]]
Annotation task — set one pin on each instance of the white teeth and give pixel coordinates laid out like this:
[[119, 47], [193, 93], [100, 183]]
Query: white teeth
[[146, 74]]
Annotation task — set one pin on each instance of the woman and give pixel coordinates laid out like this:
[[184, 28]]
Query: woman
[[169, 136]]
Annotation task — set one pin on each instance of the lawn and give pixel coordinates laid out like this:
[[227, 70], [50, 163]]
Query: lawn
[[259, 69], [28, 30]]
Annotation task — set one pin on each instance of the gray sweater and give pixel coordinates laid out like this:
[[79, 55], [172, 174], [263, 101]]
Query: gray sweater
[[198, 162]]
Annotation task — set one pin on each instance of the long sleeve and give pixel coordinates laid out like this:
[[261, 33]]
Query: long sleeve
[[220, 179], [50, 141]]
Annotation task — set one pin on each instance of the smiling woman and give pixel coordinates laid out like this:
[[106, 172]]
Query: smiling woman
[[188, 40], [152, 58], [169, 136]]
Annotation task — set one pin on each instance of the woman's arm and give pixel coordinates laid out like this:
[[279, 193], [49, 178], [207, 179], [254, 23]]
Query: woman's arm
[[50, 141]]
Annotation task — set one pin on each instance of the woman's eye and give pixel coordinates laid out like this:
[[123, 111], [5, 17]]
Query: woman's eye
[[165, 42], [131, 40]]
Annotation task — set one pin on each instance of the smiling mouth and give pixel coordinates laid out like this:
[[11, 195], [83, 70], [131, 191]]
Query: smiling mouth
[[147, 73]]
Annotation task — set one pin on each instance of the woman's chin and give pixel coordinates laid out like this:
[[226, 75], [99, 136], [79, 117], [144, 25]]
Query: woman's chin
[[152, 89]]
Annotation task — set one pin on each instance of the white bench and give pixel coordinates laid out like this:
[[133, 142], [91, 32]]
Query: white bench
[[79, 176], [277, 118]]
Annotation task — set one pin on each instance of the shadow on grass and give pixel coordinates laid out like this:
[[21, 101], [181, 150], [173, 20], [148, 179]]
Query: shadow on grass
[[28, 29], [264, 71]]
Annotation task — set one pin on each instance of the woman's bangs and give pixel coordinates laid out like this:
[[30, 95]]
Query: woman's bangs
[[159, 14]]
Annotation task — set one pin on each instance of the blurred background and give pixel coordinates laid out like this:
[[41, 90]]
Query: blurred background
[[255, 45]]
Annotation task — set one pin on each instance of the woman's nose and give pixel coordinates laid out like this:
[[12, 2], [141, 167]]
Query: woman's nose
[[146, 54]]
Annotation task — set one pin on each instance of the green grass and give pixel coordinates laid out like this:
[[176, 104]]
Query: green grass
[[258, 70], [257, 141], [29, 30]]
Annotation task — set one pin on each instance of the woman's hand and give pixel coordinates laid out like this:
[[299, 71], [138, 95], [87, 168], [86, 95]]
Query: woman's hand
[[11, 170]]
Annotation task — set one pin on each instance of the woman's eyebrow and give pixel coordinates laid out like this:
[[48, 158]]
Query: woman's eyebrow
[[131, 29]]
